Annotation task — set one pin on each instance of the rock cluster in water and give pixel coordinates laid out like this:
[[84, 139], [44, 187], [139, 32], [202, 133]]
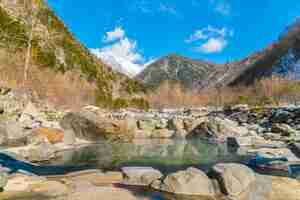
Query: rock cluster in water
[[34, 131], [224, 181]]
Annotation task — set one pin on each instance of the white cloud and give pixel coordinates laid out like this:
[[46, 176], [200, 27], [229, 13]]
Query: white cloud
[[198, 35], [114, 35], [122, 55], [213, 45], [208, 32], [211, 39]]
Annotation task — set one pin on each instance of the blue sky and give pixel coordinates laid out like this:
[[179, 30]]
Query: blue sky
[[215, 30]]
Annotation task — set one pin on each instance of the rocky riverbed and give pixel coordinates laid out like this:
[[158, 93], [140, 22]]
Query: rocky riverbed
[[36, 132]]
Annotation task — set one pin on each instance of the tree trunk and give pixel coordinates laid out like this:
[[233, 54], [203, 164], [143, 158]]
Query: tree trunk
[[29, 43], [27, 58]]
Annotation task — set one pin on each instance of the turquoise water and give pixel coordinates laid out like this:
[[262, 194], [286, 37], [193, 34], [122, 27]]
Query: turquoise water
[[165, 155]]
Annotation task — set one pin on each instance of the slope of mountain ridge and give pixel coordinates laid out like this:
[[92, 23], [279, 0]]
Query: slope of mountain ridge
[[178, 69], [283, 57], [55, 47]]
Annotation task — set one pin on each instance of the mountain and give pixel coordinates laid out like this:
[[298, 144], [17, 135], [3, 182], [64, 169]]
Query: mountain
[[282, 57], [176, 68], [32, 28]]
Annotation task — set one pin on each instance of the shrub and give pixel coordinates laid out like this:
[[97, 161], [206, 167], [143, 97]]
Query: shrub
[[271, 91]]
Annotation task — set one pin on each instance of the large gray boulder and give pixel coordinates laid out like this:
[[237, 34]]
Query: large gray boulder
[[140, 175], [233, 178], [91, 126], [189, 182], [219, 128]]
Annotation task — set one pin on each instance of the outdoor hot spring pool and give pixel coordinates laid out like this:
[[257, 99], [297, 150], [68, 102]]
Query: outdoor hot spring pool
[[165, 155]]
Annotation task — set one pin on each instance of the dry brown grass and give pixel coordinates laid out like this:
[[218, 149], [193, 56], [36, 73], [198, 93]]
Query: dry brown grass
[[68, 90], [171, 95], [274, 91]]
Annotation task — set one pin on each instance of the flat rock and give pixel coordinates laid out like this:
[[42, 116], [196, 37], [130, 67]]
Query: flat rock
[[100, 178], [105, 193], [21, 182], [285, 189], [50, 188]]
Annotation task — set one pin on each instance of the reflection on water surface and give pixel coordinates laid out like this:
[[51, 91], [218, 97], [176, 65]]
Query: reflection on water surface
[[166, 155]]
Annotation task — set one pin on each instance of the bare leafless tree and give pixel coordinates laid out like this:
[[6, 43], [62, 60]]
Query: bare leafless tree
[[32, 6]]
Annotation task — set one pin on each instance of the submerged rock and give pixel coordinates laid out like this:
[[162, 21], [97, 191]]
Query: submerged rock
[[189, 182]]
